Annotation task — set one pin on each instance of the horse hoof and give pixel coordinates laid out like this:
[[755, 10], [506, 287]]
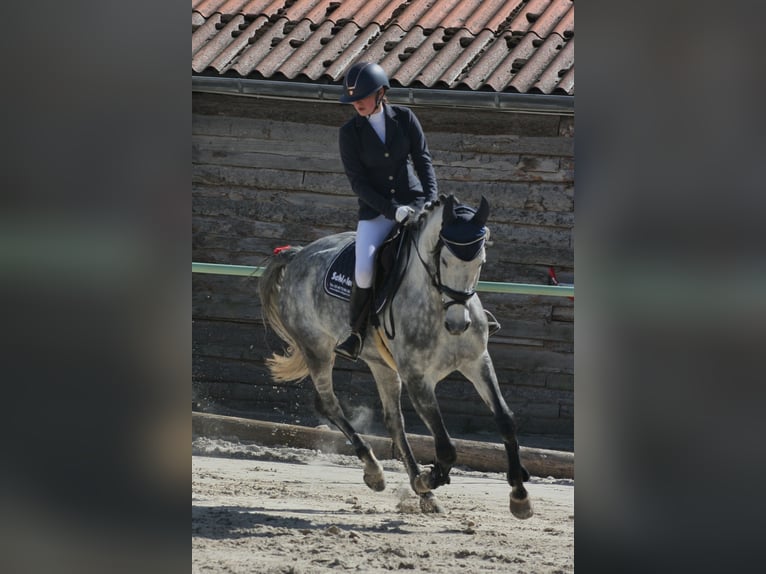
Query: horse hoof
[[421, 484], [521, 507], [429, 504], [376, 482]]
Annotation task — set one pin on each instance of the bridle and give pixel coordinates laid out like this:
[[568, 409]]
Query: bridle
[[455, 296]]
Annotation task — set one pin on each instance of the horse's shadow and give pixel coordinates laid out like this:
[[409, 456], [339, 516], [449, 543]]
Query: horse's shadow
[[234, 522]]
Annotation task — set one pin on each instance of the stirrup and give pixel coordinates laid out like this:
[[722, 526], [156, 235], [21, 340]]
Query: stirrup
[[351, 347], [492, 324]]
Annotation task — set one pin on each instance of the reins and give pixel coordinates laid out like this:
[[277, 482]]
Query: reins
[[402, 262]]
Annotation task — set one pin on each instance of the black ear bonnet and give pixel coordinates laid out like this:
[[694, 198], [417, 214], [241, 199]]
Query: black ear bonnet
[[463, 228]]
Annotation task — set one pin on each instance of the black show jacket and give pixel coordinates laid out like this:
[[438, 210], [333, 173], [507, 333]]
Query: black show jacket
[[386, 176]]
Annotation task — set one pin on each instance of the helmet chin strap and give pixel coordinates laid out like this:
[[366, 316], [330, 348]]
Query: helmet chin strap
[[378, 99]]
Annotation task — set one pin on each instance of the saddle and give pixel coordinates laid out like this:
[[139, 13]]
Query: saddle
[[390, 262]]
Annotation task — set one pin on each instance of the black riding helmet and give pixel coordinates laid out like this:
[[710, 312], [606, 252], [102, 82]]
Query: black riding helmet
[[363, 79]]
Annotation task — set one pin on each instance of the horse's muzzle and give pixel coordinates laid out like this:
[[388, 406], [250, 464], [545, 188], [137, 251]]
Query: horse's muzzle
[[457, 319]]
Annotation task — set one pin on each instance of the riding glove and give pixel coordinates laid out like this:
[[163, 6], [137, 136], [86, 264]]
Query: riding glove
[[403, 212]]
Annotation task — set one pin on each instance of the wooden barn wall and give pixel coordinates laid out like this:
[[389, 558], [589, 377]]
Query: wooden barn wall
[[267, 173]]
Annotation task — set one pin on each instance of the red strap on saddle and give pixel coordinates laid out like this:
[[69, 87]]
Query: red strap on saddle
[[278, 250]]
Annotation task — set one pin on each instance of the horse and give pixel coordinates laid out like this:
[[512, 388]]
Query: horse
[[438, 324]]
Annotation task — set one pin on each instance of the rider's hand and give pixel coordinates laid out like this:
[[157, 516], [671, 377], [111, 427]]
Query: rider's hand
[[403, 212]]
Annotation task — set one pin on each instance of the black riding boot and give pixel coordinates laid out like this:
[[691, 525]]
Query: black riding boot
[[360, 313]]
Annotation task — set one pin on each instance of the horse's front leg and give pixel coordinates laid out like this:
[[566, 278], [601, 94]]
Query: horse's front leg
[[482, 374], [423, 397], [390, 390]]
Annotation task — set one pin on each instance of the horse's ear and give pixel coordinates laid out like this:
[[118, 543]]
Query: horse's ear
[[481, 215], [449, 215]]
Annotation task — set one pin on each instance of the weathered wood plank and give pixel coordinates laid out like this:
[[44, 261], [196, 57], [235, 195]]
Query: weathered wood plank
[[475, 145], [538, 330], [515, 236], [332, 114], [243, 128], [302, 135], [525, 168], [456, 180], [552, 248], [255, 141], [225, 298], [562, 313], [481, 456], [299, 161], [235, 226], [536, 196], [245, 228], [242, 226], [533, 359]]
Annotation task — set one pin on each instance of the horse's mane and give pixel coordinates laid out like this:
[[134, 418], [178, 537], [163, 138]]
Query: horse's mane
[[428, 209], [433, 204]]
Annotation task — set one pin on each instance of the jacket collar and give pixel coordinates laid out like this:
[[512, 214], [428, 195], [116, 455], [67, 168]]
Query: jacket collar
[[387, 110], [391, 123]]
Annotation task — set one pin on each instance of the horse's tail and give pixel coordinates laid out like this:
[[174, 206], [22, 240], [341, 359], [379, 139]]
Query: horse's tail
[[292, 365]]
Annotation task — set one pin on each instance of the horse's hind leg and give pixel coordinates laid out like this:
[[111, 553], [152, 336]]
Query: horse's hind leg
[[482, 375], [327, 404], [390, 390]]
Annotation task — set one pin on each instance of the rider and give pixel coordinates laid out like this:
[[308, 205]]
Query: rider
[[387, 161]]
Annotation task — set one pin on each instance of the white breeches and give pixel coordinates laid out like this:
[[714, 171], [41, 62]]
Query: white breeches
[[370, 234]]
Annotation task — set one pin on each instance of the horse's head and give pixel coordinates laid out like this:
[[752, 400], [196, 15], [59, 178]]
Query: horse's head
[[459, 257]]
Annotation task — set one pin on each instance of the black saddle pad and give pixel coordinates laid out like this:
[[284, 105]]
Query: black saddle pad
[[340, 275]]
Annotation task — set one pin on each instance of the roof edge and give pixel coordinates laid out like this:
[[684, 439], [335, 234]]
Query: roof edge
[[558, 105]]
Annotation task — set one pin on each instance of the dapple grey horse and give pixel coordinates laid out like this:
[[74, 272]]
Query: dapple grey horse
[[440, 327]]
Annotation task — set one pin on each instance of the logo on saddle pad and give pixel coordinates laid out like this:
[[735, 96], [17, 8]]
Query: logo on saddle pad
[[339, 285], [338, 279]]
